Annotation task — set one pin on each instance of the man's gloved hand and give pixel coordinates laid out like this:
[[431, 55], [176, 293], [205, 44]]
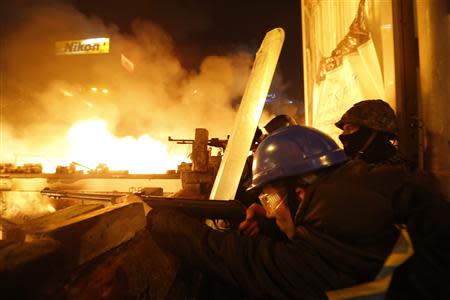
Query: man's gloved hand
[[256, 222], [251, 225]]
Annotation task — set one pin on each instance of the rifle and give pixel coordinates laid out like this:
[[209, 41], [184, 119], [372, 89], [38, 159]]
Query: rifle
[[213, 142], [232, 210]]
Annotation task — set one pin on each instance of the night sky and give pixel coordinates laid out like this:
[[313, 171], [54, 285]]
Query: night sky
[[209, 27]]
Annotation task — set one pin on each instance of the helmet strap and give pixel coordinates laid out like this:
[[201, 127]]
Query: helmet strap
[[292, 200], [290, 197]]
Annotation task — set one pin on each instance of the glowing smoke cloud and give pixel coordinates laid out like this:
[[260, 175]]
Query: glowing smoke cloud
[[47, 94]]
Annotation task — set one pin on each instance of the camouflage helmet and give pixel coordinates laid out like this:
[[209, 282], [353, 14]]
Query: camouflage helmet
[[374, 114]]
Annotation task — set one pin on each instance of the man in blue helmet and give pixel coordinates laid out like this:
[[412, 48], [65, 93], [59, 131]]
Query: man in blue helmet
[[337, 226]]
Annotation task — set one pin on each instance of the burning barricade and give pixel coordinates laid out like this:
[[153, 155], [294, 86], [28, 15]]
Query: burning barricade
[[79, 244]]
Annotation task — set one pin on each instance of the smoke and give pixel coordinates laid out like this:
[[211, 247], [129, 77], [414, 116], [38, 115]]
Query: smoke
[[21, 206], [45, 94]]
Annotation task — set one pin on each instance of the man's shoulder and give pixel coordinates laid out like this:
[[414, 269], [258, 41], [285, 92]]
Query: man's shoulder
[[380, 177], [361, 167]]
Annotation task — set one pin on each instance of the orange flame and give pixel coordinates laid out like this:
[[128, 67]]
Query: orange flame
[[91, 143]]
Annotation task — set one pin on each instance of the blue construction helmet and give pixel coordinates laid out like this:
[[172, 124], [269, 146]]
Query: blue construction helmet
[[293, 151]]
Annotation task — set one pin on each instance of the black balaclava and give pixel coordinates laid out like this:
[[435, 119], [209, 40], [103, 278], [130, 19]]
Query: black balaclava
[[369, 145], [355, 141]]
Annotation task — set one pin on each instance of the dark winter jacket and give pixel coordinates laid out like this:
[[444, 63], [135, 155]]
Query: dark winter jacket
[[426, 212], [346, 229]]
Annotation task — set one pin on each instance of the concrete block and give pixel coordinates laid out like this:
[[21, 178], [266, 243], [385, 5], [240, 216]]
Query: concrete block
[[59, 216], [138, 269], [87, 236]]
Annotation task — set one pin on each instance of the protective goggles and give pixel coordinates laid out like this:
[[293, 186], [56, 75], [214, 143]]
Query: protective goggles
[[270, 202]]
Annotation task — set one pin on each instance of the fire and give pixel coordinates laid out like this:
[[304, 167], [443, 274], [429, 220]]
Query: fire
[[91, 143]]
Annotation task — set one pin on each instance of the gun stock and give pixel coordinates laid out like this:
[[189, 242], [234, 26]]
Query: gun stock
[[205, 209]]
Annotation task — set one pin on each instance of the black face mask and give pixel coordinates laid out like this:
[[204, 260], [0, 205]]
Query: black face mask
[[355, 141]]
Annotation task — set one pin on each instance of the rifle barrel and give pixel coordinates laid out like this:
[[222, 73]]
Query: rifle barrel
[[206, 209], [55, 194]]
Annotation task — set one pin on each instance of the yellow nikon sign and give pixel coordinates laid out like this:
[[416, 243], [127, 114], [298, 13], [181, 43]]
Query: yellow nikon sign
[[78, 47]]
